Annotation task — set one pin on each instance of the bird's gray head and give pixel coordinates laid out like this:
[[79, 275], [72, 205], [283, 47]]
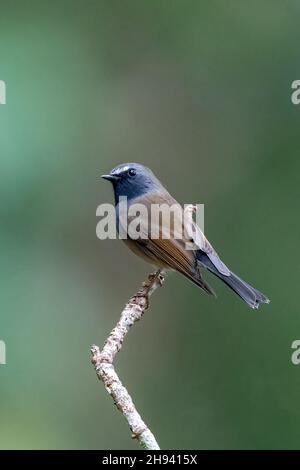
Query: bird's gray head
[[132, 180]]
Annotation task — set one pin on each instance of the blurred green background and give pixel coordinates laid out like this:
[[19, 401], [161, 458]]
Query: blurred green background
[[200, 92]]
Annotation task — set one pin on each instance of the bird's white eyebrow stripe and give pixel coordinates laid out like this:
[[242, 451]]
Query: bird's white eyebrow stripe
[[120, 170]]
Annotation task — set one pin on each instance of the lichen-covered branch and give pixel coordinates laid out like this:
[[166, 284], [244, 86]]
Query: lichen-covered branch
[[103, 361]]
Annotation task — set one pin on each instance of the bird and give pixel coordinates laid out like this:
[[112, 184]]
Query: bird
[[139, 185]]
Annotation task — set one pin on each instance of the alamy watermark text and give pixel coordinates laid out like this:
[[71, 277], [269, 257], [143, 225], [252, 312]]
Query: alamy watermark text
[[2, 92], [2, 352], [155, 221]]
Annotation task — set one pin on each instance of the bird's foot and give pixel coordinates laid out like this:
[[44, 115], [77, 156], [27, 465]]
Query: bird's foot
[[156, 276]]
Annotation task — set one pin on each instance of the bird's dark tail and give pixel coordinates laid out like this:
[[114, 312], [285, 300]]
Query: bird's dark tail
[[250, 295]]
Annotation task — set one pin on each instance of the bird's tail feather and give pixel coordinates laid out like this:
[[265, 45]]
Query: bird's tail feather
[[248, 293]]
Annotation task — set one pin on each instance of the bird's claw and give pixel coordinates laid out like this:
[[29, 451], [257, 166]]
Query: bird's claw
[[157, 276], [161, 278]]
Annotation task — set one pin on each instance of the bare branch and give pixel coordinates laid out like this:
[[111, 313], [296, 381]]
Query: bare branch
[[103, 361]]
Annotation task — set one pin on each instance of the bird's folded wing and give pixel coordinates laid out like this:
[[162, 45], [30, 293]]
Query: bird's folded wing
[[167, 245], [174, 251], [176, 257], [203, 244]]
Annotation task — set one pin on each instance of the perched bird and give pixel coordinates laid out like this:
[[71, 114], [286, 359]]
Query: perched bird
[[140, 186]]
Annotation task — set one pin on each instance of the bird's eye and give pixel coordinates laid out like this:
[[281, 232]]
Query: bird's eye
[[131, 172]]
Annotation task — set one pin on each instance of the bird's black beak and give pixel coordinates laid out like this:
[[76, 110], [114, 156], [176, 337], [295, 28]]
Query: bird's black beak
[[111, 178]]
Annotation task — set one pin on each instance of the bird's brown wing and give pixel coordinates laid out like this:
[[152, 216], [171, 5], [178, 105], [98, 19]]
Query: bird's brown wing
[[175, 257], [163, 252]]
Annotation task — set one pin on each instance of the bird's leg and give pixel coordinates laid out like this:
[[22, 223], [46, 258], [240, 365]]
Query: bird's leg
[[156, 276], [142, 296]]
